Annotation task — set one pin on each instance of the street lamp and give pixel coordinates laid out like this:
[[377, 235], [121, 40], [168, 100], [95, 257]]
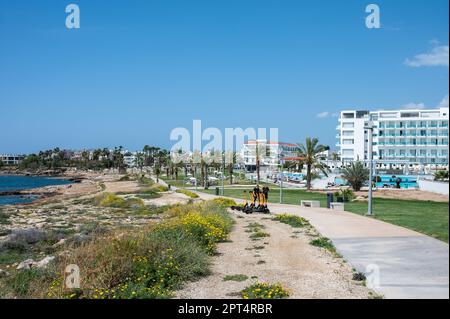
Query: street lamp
[[370, 126]]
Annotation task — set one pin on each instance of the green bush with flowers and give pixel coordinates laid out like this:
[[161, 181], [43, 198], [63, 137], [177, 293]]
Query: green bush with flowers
[[264, 291], [149, 263]]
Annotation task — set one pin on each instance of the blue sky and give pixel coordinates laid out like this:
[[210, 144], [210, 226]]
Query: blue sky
[[137, 69]]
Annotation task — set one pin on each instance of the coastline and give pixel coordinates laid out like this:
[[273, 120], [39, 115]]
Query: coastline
[[81, 184]]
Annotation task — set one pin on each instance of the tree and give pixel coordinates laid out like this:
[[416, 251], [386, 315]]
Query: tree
[[441, 176], [157, 171], [310, 152], [356, 174], [232, 161]]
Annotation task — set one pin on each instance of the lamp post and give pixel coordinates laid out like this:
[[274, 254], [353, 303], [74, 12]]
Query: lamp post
[[369, 129], [223, 173], [281, 182]]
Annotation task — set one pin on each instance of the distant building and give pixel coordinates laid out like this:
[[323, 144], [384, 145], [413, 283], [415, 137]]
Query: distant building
[[401, 138], [274, 154], [11, 159], [130, 160]]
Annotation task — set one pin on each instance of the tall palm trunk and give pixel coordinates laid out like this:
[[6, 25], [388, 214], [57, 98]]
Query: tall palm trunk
[[231, 174], [308, 176]]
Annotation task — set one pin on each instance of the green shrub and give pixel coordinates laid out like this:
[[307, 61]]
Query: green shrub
[[110, 200], [346, 194], [224, 202], [325, 243], [292, 220], [134, 202], [237, 278], [4, 218], [159, 188], [26, 282], [259, 234], [148, 194], [187, 193], [264, 291], [150, 263]]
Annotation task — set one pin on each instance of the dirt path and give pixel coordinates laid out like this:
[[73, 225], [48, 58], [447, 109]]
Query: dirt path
[[285, 257]]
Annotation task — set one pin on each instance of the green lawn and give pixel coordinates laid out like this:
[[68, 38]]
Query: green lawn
[[427, 217]]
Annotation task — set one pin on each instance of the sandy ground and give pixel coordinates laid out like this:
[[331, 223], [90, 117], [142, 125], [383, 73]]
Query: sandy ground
[[407, 194], [169, 198], [287, 258]]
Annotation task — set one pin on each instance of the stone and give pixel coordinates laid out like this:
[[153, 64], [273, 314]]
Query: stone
[[30, 263], [26, 264], [3, 273], [44, 262]]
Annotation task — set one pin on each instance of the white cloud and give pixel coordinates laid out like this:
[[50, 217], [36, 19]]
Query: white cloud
[[414, 106], [438, 56], [444, 102], [323, 115]]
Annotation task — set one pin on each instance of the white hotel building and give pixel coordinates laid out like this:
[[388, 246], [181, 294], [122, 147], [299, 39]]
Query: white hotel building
[[413, 138], [274, 152]]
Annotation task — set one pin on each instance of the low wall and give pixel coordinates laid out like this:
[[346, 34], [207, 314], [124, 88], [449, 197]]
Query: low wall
[[432, 186]]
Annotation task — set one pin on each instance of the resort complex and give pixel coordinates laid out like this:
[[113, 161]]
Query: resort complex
[[415, 140], [223, 154]]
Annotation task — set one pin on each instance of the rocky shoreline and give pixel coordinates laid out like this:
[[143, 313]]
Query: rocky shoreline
[[42, 193]]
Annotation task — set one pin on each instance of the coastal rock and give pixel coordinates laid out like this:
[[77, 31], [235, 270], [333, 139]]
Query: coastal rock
[[26, 264], [30, 263], [59, 243], [44, 262]]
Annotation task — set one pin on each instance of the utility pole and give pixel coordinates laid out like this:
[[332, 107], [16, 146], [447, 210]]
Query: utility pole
[[223, 173], [369, 129], [257, 163], [281, 182]]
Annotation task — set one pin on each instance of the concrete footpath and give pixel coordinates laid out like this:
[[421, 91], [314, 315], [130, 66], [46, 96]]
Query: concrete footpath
[[410, 265]]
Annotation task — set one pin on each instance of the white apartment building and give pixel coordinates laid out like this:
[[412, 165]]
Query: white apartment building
[[11, 159], [400, 138], [270, 154]]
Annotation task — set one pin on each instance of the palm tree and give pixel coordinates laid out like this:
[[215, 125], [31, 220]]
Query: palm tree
[[356, 174], [232, 158], [310, 151]]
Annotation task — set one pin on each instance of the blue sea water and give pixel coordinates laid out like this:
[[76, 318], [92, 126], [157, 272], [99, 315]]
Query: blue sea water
[[15, 183]]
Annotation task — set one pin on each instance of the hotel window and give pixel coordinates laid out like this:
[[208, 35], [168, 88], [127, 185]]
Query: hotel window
[[434, 153], [347, 133], [348, 125], [391, 153], [402, 153], [444, 152], [347, 152], [412, 153], [423, 132], [423, 153], [348, 141]]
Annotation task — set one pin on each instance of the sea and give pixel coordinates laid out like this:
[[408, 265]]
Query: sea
[[16, 183]]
